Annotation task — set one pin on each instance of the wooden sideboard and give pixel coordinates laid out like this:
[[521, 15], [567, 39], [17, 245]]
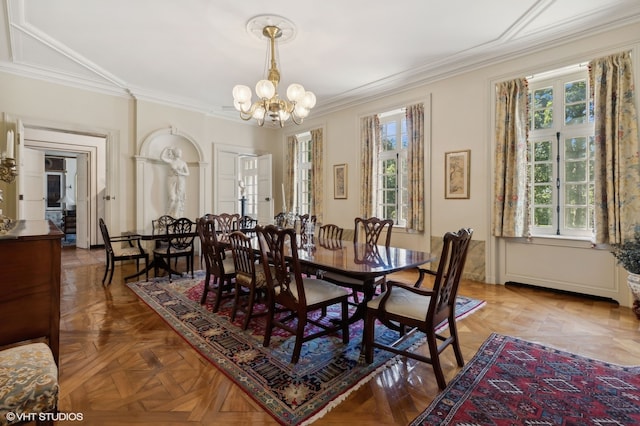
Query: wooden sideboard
[[30, 283]]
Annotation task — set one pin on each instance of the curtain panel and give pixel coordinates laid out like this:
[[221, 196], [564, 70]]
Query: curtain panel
[[510, 205], [369, 147], [317, 176], [617, 175], [415, 167], [290, 172]]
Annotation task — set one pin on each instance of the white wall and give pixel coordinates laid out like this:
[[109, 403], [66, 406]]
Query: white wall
[[461, 118]]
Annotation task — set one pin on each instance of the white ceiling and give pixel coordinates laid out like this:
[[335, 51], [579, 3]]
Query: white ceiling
[[190, 53]]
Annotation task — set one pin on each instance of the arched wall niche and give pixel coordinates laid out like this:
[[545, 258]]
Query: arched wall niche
[[152, 174]]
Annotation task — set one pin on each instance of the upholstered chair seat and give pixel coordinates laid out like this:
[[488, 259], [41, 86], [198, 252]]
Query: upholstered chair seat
[[28, 382], [405, 303]]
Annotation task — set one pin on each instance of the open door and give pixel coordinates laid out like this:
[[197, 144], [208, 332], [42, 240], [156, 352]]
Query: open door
[[227, 182], [265, 196], [82, 201], [31, 203]]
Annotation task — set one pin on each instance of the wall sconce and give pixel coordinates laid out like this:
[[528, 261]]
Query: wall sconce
[[8, 171]]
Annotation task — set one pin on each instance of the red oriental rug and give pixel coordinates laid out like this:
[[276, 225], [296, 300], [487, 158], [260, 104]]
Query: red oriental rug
[[514, 382], [327, 371]]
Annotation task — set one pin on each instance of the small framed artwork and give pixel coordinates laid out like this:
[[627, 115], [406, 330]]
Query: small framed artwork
[[340, 181], [456, 174]]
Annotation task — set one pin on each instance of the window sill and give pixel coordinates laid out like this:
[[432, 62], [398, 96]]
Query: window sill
[[560, 240]]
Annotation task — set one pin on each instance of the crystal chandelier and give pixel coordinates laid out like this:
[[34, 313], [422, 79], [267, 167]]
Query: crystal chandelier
[[269, 105]]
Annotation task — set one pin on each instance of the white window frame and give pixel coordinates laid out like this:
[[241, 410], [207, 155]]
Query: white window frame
[[557, 135], [304, 163], [399, 154]]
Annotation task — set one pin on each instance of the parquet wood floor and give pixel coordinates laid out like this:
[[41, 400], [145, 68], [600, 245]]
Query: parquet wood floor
[[121, 364]]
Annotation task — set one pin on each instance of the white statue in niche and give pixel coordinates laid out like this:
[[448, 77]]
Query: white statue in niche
[[177, 184]]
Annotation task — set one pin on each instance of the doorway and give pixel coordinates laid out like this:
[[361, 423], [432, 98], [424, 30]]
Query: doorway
[[89, 154]]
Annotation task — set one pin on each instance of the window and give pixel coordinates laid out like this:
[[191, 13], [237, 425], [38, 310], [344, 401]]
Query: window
[[561, 156], [249, 181], [303, 171], [391, 181]]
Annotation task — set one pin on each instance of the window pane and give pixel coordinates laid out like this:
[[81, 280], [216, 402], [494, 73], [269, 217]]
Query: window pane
[[575, 114], [542, 194], [576, 91], [542, 173], [576, 218], [543, 119], [575, 98], [543, 98], [575, 171], [575, 148], [542, 216], [542, 151], [543, 108], [576, 194]]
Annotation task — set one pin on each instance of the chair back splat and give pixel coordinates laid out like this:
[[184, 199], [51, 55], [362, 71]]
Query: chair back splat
[[417, 308], [370, 230], [226, 223]]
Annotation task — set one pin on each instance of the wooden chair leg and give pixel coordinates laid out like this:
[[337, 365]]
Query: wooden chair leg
[[297, 347], [236, 301], [113, 268], [269, 327], [435, 360], [345, 322], [106, 269], [368, 337], [219, 289], [456, 343], [252, 296], [205, 290]]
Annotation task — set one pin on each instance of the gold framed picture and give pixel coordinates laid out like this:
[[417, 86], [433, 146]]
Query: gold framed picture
[[340, 181], [456, 174]]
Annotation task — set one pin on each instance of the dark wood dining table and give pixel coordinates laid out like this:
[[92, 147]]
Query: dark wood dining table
[[154, 261], [361, 261]]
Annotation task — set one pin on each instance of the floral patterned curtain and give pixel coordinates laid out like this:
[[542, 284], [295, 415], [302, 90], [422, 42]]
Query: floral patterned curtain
[[369, 147], [317, 181], [510, 206], [415, 167], [617, 181], [289, 174]]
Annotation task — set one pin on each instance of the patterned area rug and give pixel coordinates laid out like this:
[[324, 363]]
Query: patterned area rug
[[515, 382], [327, 371]]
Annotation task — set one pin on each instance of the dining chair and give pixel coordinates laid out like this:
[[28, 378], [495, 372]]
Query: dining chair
[[370, 232], [280, 219], [403, 306], [249, 274], [226, 223], [117, 253], [330, 236], [180, 236], [289, 291], [220, 269], [159, 227], [247, 224]]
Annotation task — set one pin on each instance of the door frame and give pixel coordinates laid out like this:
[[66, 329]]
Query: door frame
[[92, 144]]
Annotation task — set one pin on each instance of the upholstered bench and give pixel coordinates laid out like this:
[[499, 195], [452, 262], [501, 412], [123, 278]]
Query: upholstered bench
[[28, 383]]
